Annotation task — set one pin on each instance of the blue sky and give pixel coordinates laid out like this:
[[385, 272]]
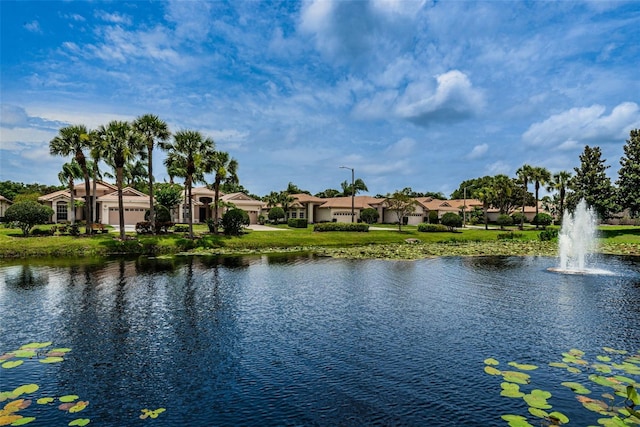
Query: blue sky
[[408, 93]]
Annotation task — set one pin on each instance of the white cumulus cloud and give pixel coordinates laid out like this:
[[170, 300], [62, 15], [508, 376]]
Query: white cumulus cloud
[[478, 151]]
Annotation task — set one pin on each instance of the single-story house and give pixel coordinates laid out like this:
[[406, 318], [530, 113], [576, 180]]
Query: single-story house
[[60, 200], [338, 209], [305, 206], [203, 199], [4, 205]]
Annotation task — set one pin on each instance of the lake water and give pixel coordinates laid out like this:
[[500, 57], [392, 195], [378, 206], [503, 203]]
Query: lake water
[[308, 341]]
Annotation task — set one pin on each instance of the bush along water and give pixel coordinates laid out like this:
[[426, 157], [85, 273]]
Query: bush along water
[[340, 226]]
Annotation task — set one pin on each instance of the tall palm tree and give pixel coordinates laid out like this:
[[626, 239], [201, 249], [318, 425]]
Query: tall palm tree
[[188, 152], [97, 152], [152, 130], [486, 196], [70, 172], [524, 174], [122, 144], [541, 176], [225, 169], [559, 182], [358, 186], [72, 140]]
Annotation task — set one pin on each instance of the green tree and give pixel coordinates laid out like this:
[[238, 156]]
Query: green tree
[[358, 187], [73, 140], [188, 153], [233, 221], [402, 204], [97, 152], [486, 195], [275, 214], [504, 220], [369, 215], [122, 144], [168, 195], [542, 219], [451, 220], [153, 130], [540, 176], [559, 183], [629, 175], [70, 172], [591, 183], [28, 214], [225, 170], [294, 189], [524, 174], [328, 193]]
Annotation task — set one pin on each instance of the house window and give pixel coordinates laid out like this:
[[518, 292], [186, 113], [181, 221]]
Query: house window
[[301, 214], [61, 211], [294, 214]]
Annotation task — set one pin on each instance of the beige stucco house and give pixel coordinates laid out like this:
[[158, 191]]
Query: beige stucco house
[[60, 200]]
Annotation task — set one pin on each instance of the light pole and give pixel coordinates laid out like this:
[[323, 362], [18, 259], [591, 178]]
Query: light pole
[[353, 193], [464, 208]]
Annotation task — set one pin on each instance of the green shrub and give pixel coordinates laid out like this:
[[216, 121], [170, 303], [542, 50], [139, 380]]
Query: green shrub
[[548, 235], [504, 221], [42, 232], [181, 228], [276, 213], [432, 228], [542, 219], [510, 236], [297, 223], [369, 215], [233, 221], [144, 227], [451, 220], [517, 218], [340, 226], [433, 217], [27, 214]]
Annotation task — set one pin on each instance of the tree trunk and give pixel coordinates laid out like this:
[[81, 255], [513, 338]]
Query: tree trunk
[[87, 191], [524, 202], [119, 173], [152, 212], [94, 201], [486, 217], [190, 207], [216, 199], [72, 208]]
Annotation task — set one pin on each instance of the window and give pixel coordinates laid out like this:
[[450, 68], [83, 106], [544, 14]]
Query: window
[[294, 214], [301, 214], [61, 211]]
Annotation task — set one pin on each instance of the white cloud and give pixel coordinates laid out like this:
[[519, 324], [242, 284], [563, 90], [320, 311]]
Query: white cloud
[[402, 148], [498, 167], [33, 26], [478, 151], [18, 138], [454, 99], [585, 125], [114, 18], [12, 115]]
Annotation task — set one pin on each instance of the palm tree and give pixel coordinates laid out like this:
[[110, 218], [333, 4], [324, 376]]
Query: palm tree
[[152, 129], [524, 174], [97, 151], [541, 176], [188, 152], [225, 169], [559, 182], [122, 143], [486, 196], [73, 140], [358, 186], [70, 172]]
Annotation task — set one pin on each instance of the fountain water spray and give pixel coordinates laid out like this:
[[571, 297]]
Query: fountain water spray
[[577, 238]]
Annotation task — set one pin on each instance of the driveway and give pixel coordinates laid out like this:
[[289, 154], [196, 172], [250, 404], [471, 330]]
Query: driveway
[[258, 227]]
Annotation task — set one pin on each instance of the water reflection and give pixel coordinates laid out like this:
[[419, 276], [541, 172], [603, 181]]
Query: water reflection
[[300, 340]]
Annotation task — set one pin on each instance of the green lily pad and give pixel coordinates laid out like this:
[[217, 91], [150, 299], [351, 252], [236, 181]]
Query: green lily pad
[[52, 360], [25, 354], [26, 389], [523, 367], [492, 371], [576, 387], [573, 370], [511, 390], [604, 369], [558, 365], [559, 416], [543, 394], [79, 422], [629, 368], [538, 399], [61, 350], [68, 398], [614, 351], [612, 422], [36, 345], [44, 400], [516, 377], [604, 358], [538, 413], [12, 364], [22, 421], [599, 379], [516, 420], [491, 361]]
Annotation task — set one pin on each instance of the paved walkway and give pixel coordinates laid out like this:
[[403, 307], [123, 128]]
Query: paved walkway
[[258, 227]]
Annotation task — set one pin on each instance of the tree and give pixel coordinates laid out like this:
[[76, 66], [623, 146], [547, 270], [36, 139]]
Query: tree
[[122, 143], [328, 193], [152, 130], [225, 169], [73, 140], [369, 215], [70, 172], [97, 151], [591, 183], [486, 196], [524, 174], [285, 200], [358, 187], [540, 176], [28, 214], [504, 220], [275, 214], [188, 153], [11, 189], [629, 175], [559, 182], [542, 219], [294, 189], [451, 220], [168, 195], [233, 221], [402, 204]]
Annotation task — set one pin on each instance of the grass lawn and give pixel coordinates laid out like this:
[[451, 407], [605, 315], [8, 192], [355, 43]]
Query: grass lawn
[[387, 243]]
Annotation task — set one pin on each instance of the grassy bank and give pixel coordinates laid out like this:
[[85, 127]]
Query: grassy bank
[[384, 243]]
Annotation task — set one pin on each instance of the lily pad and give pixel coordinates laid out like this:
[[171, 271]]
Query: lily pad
[[559, 416], [576, 387], [607, 382], [491, 361], [523, 367], [79, 406], [68, 398], [22, 421], [36, 345], [511, 390], [79, 422], [25, 354], [614, 351], [26, 389], [44, 400], [516, 377], [538, 399], [559, 365], [516, 420], [492, 371], [8, 419], [12, 364], [538, 413], [52, 360], [604, 358]]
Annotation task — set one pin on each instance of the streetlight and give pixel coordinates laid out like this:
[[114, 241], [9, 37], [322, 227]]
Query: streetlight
[[353, 193], [464, 208]]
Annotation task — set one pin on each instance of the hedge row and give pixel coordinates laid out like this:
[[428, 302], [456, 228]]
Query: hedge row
[[431, 228], [297, 223], [340, 226]]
